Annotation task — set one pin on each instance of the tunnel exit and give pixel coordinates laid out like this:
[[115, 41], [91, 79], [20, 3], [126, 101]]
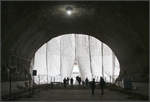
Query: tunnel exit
[[73, 55]]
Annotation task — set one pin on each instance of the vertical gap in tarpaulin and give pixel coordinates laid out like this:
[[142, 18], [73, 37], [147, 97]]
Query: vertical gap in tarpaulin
[[77, 52], [75, 47], [71, 61], [75, 37], [47, 61], [90, 56], [74, 41], [62, 57], [102, 60], [73, 54], [49, 58], [99, 62], [83, 45]]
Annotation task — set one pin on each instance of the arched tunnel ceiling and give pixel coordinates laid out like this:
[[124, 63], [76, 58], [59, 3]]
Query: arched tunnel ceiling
[[121, 25]]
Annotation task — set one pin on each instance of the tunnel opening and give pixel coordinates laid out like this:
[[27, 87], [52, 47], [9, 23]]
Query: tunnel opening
[[72, 55], [127, 37]]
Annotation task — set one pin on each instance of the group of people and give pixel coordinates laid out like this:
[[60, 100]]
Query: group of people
[[66, 81], [71, 80], [86, 83], [101, 83]]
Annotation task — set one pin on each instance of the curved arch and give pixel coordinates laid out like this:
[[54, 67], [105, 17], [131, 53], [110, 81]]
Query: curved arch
[[52, 58], [119, 30]]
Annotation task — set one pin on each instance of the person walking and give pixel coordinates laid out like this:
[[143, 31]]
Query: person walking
[[65, 82], [86, 82], [93, 85], [102, 84], [71, 81], [79, 80]]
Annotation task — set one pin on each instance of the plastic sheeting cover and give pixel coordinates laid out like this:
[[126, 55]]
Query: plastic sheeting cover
[[55, 59]]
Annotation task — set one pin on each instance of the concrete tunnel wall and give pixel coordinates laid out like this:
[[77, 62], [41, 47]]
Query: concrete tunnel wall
[[123, 26]]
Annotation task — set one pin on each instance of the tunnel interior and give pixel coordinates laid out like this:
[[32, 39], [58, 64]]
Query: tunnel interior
[[26, 26]]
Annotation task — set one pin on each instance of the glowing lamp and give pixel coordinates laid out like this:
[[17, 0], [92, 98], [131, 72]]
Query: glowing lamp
[[69, 10]]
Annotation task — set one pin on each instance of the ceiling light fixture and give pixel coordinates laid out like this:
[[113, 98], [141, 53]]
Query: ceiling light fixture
[[69, 10]]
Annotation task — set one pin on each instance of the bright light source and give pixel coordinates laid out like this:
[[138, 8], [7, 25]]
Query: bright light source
[[69, 10]]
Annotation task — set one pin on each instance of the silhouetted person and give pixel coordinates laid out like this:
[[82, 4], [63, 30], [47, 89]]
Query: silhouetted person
[[127, 83], [86, 82], [65, 82], [83, 83], [71, 81], [79, 80], [102, 84], [93, 85]]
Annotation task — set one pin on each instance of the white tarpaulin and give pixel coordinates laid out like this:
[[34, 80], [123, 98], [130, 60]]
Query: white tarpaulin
[[55, 59]]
